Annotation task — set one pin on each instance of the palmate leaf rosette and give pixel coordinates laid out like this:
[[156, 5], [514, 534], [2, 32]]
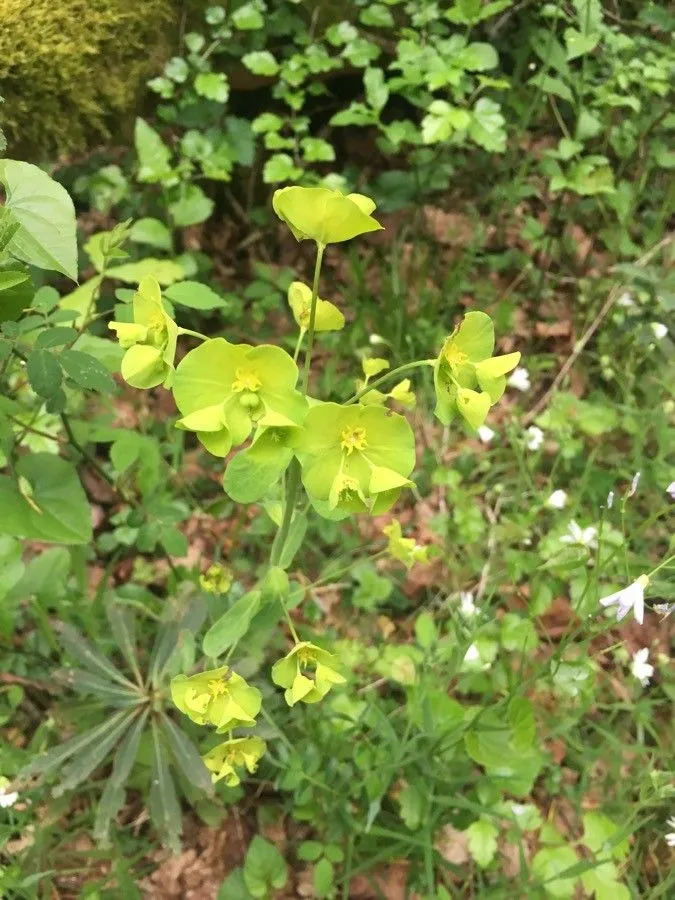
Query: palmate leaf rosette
[[150, 340], [227, 760], [307, 673], [355, 458], [325, 216], [467, 378], [219, 697], [327, 317], [223, 390]]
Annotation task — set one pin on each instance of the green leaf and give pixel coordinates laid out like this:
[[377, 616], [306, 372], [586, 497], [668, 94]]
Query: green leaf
[[192, 207], [377, 92], [58, 510], [377, 16], [248, 478], [45, 215], [212, 86], [154, 156], [165, 271], [264, 868], [88, 684], [194, 295], [426, 632], [151, 232], [578, 44], [81, 299], [44, 373], [261, 62], [123, 627], [248, 17], [86, 371], [55, 337], [549, 864], [487, 126], [482, 841], [82, 650], [165, 809], [280, 167], [186, 756], [112, 798], [234, 887], [551, 85], [478, 57], [600, 836], [15, 297], [442, 120], [316, 150], [231, 627], [324, 878]]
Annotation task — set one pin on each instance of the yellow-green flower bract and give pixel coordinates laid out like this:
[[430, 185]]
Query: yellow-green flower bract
[[356, 458], [149, 341], [225, 759], [464, 364], [327, 317], [307, 673], [325, 216], [224, 389], [218, 697]]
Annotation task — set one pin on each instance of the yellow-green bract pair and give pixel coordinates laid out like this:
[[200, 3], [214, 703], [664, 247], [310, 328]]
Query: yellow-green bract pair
[[150, 340], [325, 216], [466, 363]]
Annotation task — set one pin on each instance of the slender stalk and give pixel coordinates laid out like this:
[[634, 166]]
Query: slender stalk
[[197, 334], [387, 375], [312, 318], [299, 344]]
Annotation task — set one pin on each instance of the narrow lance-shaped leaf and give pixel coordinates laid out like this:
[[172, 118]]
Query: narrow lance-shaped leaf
[[123, 626], [186, 755], [112, 798], [164, 805], [87, 683], [55, 757], [80, 648], [83, 763]]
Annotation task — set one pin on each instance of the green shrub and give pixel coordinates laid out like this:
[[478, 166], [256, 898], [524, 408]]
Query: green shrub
[[67, 69]]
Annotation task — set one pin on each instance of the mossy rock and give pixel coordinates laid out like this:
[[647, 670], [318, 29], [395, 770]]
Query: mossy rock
[[69, 69]]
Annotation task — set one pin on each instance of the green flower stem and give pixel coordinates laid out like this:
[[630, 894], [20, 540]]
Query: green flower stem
[[197, 334], [292, 485], [299, 344], [312, 318], [293, 476], [661, 565], [387, 375]]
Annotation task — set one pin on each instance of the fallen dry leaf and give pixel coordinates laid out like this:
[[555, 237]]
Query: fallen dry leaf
[[452, 845]]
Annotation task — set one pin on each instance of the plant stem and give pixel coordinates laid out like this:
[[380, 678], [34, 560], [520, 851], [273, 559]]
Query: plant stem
[[387, 375], [312, 318], [662, 565], [299, 344], [292, 485], [197, 334], [293, 477]]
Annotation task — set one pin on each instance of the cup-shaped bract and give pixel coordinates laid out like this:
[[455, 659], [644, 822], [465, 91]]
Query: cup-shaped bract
[[223, 390], [327, 317], [149, 341], [322, 215], [218, 697], [357, 458], [464, 365], [227, 760], [307, 673]]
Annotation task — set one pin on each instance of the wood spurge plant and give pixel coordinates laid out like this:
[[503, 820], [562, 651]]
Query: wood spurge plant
[[350, 457]]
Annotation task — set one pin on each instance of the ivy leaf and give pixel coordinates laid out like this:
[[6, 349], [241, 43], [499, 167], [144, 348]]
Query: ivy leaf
[[41, 216], [154, 156], [261, 62], [212, 86], [191, 208], [487, 126], [482, 841]]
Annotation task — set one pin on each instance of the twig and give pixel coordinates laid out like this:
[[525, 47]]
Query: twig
[[613, 296]]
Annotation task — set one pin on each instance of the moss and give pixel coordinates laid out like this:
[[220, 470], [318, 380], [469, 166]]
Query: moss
[[70, 68]]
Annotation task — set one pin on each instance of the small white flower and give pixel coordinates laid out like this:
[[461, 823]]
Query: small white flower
[[634, 485], [472, 654], [631, 597], [558, 499], [610, 500], [376, 339], [659, 329], [535, 438], [584, 537], [626, 300], [7, 798], [519, 379], [671, 490], [467, 608], [641, 669], [486, 434], [670, 837]]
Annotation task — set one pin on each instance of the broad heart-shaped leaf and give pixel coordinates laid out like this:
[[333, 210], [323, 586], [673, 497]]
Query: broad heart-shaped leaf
[[249, 476], [194, 295], [192, 206], [46, 217], [58, 510], [231, 627], [264, 868]]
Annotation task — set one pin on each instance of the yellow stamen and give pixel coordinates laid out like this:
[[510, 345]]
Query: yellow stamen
[[353, 439], [245, 381], [454, 356], [217, 687]]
